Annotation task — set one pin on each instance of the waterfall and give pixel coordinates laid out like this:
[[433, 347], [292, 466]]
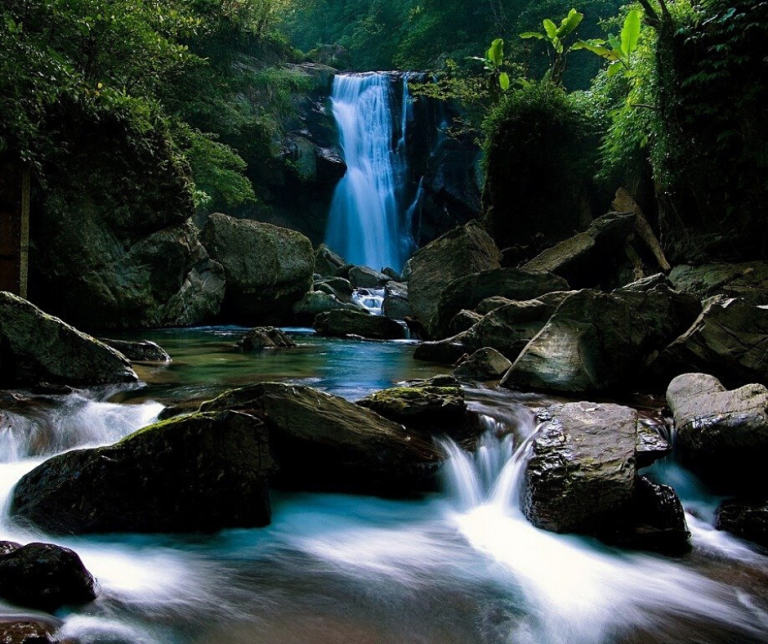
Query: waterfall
[[366, 222]]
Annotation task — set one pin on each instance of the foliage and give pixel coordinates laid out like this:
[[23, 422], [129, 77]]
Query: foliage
[[494, 64], [618, 51], [558, 40]]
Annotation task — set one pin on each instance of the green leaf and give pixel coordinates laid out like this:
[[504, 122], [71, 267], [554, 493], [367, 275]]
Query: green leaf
[[596, 47], [532, 34], [615, 68], [569, 23], [550, 28], [504, 81], [496, 52], [630, 34]]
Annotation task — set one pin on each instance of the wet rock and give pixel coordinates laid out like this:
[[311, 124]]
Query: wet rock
[[747, 281], [463, 321], [44, 576], [483, 364], [198, 473], [268, 269], [462, 251], [722, 435], [265, 338], [396, 305], [27, 632], [655, 521], [326, 443], [512, 283], [338, 286], [491, 304], [446, 352], [139, 350], [364, 277], [341, 324], [327, 263], [316, 302], [39, 348], [651, 445], [745, 519], [599, 341], [393, 275]]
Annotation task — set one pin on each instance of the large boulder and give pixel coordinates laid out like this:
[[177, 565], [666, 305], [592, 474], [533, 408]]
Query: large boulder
[[461, 252], [483, 364], [747, 281], [727, 340], [198, 473], [722, 435], [316, 302], [328, 263], [599, 341], [265, 338], [268, 269], [463, 321], [445, 352], [513, 283], [396, 305], [44, 576], [36, 347], [326, 443], [340, 324], [364, 277], [746, 519], [139, 350]]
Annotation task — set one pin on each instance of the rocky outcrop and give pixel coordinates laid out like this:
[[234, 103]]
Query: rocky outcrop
[[599, 341], [198, 473], [340, 324], [461, 252], [265, 338], [396, 305], [745, 519], [139, 350], [747, 281], [328, 263], [722, 435], [268, 269], [483, 364], [326, 443], [44, 576], [512, 283], [39, 348], [364, 277]]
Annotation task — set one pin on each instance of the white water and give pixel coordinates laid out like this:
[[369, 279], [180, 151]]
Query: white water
[[371, 299], [366, 222]]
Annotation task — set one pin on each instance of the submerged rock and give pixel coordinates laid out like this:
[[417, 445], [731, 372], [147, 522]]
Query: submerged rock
[[198, 473], [341, 324], [139, 350], [483, 364], [326, 443], [721, 435], [745, 519], [44, 576], [265, 338], [39, 348]]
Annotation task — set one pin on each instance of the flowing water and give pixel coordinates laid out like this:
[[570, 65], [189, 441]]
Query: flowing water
[[461, 567]]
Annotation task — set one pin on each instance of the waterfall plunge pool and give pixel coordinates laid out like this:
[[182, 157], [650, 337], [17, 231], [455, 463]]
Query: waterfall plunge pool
[[460, 567]]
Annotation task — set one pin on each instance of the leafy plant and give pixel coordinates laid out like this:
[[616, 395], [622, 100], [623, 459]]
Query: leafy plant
[[494, 62], [618, 51], [557, 38]]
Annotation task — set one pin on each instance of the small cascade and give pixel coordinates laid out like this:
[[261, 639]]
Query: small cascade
[[371, 299]]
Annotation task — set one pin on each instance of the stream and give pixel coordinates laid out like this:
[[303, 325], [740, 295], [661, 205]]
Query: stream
[[460, 567]]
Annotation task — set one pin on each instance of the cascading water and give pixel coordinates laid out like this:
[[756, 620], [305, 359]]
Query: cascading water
[[366, 222]]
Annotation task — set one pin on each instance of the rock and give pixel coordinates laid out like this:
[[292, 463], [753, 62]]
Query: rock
[[139, 350], [484, 364], [745, 519], [325, 443], [727, 340], [721, 435], [463, 321], [341, 324], [651, 446], [36, 347], [316, 302], [512, 283], [198, 473], [265, 338], [747, 281], [268, 269], [428, 407], [586, 258], [393, 275], [336, 286], [446, 352], [27, 632], [462, 251], [656, 520], [600, 341], [648, 283], [327, 262], [364, 277], [396, 305], [491, 304], [44, 576]]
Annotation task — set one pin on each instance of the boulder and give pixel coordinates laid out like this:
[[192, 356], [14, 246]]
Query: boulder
[[44, 577], [197, 473], [654, 521], [721, 435], [445, 352], [460, 252], [651, 445], [364, 277], [393, 275], [463, 321], [340, 324], [36, 347], [268, 269], [745, 519], [27, 631], [327, 263], [316, 302], [512, 283], [747, 281], [599, 341], [491, 304], [483, 364], [139, 350], [265, 338], [326, 443], [586, 258], [337, 286], [648, 283], [727, 340], [396, 305]]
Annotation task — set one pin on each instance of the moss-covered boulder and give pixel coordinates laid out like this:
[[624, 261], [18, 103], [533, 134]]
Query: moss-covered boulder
[[342, 323], [265, 338], [198, 473], [38, 348]]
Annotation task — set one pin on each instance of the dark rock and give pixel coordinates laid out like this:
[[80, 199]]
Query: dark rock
[[446, 352], [326, 443], [747, 281], [651, 445], [337, 286], [392, 274], [316, 302], [491, 304], [599, 341], [27, 632], [461, 252], [484, 364], [198, 473], [327, 262], [648, 283], [463, 321], [745, 519], [45, 577], [655, 521], [341, 324], [396, 305], [139, 350], [268, 269], [364, 277], [721, 435], [512, 283], [36, 347], [265, 338]]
